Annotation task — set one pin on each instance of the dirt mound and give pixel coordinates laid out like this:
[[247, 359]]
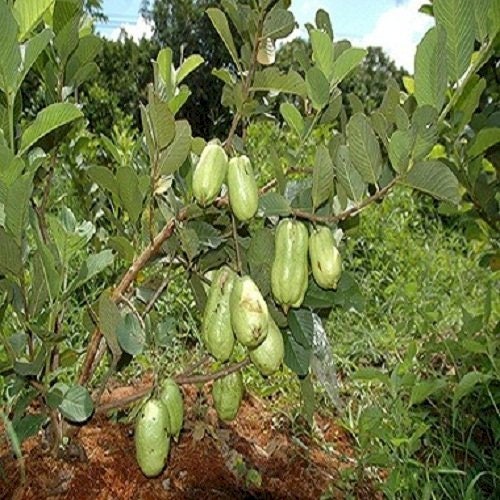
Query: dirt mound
[[254, 457]]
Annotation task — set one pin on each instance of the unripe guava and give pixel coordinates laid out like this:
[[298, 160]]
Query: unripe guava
[[171, 397], [152, 440], [269, 355], [289, 272], [326, 262], [217, 331], [227, 394], [249, 313], [209, 174], [242, 187]]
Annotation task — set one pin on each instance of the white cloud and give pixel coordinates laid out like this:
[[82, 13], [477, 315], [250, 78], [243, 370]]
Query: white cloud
[[141, 28], [398, 31]]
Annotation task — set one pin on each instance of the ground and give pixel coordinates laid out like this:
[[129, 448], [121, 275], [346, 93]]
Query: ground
[[256, 456]]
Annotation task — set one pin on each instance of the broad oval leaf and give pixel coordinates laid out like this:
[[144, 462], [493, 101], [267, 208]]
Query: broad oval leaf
[[219, 20], [430, 69], [364, 148], [279, 23], [49, 119], [457, 19], [318, 88], [322, 187], [76, 405], [434, 178], [131, 336]]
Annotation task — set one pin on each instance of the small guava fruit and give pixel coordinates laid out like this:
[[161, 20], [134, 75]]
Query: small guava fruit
[[289, 271], [209, 174], [152, 439], [171, 397], [249, 313], [217, 331], [326, 262], [227, 393], [268, 356], [242, 188]]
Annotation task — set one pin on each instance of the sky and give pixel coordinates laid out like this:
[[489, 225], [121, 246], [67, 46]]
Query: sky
[[395, 25]]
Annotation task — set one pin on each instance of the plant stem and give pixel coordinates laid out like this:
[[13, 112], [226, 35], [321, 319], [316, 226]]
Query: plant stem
[[236, 244], [180, 379], [473, 68], [301, 214]]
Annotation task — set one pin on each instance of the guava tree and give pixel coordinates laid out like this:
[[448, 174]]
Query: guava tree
[[263, 261]]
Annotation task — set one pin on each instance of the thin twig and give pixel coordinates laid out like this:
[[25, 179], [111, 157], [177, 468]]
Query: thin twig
[[136, 313], [236, 243], [183, 379], [158, 293], [301, 214]]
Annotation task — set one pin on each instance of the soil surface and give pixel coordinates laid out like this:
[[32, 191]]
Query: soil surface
[[255, 457]]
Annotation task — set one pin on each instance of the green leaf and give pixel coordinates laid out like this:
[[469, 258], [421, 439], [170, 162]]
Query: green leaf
[[104, 178], [219, 20], [162, 124], [457, 19], [208, 235], [323, 54], [32, 50], [109, 321], [324, 23], [76, 405], [261, 248], [400, 148], [10, 254], [468, 102], [93, 265], [163, 71], [292, 117], [123, 247], [424, 128], [481, 10], [423, 390], [224, 75], [129, 192], [175, 155], [10, 52], [467, 384], [87, 50], [274, 204], [364, 148], [190, 242], [279, 23], [188, 66], [430, 69], [348, 295], [17, 205], [49, 119], [322, 186], [318, 88], [347, 176], [346, 62], [485, 139], [434, 178], [272, 80], [131, 336], [28, 426], [28, 14], [297, 358], [301, 325]]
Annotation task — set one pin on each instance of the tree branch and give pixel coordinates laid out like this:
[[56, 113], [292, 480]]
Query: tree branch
[[301, 214], [138, 394]]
